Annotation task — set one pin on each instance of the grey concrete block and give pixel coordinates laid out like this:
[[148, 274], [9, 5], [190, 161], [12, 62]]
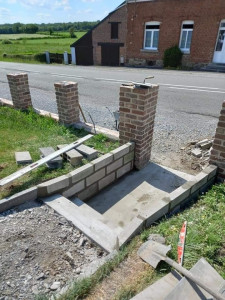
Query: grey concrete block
[[196, 152], [76, 188], [88, 152], [114, 166], [19, 198], [207, 186], [121, 151], [201, 179], [179, 195], [81, 173], [211, 170], [88, 192], [53, 186], [125, 169], [23, 158], [106, 180], [128, 157], [132, 146], [72, 156], [54, 163], [102, 161], [95, 177]]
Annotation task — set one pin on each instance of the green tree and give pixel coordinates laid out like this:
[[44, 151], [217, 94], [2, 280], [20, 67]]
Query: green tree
[[72, 34]]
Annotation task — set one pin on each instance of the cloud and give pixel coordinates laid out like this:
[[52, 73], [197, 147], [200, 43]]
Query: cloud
[[47, 4]]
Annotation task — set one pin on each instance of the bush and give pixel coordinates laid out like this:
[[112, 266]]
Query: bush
[[6, 42], [40, 57], [172, 57]]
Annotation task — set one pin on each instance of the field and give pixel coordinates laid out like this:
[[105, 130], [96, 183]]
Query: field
[[30, 44]]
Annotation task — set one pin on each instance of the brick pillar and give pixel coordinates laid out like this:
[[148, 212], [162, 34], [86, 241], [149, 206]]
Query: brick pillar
[[137, 115], [67, 102], [20, 91], [218, 149]]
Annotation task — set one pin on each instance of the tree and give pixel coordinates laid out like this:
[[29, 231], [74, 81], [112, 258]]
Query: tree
[[30, 28], [50, 31], [72, 34]]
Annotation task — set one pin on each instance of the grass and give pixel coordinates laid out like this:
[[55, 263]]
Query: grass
[[205, 238], [34, 44], [27, 131]]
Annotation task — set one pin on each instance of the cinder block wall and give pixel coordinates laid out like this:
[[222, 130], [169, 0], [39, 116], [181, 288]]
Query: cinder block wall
[[218, 149], [206, 15]]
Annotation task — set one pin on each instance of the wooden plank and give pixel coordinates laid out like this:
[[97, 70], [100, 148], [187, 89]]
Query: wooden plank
[[43, 160]]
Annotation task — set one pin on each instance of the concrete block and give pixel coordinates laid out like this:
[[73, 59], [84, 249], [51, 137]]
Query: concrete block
[[114, 166], [95, 177], [88, 152], [196, 152], [18, 199], [88, 192], [211, 170], [201, 179], [23, 158], [76, 188], [125, 169], [53, 186], [128, 157], [131, 230], [102, 161], [81, 173], [106, 181], [207, 186], [180, 194], [72, 156], [132, 146], [121, 151], [54, 163]]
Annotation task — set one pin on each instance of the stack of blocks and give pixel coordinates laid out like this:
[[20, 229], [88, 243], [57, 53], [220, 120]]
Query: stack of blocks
[[137, 115], [67, 102], [19, 89], [218, 149]]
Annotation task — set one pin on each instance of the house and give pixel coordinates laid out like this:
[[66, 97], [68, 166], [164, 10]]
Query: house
[[105, 44], [196, 26]]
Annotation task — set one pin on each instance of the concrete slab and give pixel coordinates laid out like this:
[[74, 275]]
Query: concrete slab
[[23, 158], [137, 192]]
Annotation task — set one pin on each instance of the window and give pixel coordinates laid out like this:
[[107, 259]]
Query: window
[[186, 36], [151, 39], [114, 30], [221, 37]]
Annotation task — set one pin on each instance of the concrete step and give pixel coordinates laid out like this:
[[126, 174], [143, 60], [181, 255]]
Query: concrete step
[[202, 270], [85, 219], [88, 152], [160, 289]]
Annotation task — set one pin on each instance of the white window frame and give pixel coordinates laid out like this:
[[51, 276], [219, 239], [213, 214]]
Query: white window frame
[[153, 31], [186, 50]]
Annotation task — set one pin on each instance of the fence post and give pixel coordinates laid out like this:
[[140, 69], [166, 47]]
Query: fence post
[[137, 115], [47, 55], [65, 56], [20, 91], [73, 54], [67, 102]]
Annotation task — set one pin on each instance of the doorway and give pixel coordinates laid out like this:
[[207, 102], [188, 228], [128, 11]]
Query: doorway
[[219, 54]]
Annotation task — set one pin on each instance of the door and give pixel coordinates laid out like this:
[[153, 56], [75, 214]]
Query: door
[[110, 55], [219, 54]]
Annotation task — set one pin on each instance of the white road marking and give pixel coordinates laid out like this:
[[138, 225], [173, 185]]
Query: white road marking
[[197, 90]]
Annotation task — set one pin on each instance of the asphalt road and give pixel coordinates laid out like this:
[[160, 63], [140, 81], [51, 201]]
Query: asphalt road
[[188, 106]]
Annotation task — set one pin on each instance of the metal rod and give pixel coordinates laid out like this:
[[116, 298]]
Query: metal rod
[[81, 110]]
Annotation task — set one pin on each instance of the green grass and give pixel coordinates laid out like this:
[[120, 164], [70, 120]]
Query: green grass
[[33, 45], [22, 131], [21, 35], [205, 238]]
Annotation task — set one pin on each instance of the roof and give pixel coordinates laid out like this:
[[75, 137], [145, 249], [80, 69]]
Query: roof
[[89, 31]]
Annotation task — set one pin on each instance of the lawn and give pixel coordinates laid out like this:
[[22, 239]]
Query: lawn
[[27, 131], [32, 44]]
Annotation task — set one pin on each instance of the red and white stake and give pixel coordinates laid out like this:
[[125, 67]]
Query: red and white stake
[[181, 243]]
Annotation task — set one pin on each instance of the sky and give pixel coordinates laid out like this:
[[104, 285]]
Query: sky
[[53, 11]]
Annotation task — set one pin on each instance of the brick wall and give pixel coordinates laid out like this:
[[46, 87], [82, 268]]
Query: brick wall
[[218, 150], [206, 15], [20, 91], [102, 33], [137, 115]]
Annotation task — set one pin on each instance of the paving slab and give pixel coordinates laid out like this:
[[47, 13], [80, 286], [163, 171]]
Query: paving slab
[[23, 158], [88, 152]]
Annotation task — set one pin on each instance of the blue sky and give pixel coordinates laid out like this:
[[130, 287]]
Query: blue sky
[[51, 11]]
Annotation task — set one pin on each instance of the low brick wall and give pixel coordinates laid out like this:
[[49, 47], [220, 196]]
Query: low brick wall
[[89, 179]]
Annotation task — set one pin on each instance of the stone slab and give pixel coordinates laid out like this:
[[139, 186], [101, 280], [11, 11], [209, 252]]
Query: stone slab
[[23, 158], [88, 152], [90, 226]]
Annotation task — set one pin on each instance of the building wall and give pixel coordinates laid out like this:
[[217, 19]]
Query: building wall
[[206, 14], [102, 33]]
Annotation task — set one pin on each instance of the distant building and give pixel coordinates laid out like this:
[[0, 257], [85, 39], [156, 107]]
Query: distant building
[[105, 44]]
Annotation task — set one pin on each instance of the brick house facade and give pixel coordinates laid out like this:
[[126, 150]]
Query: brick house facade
[[197, 26]]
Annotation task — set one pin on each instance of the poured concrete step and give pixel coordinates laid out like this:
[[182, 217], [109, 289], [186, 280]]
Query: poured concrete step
[[186, 289], [88, 152], [72, 156], [54, 163], [88, 223], [160, 289]]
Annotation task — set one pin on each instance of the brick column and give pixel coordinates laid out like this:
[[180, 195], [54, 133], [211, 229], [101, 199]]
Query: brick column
[[20, 91], [218, 149], [137, 115], [67, 102]]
